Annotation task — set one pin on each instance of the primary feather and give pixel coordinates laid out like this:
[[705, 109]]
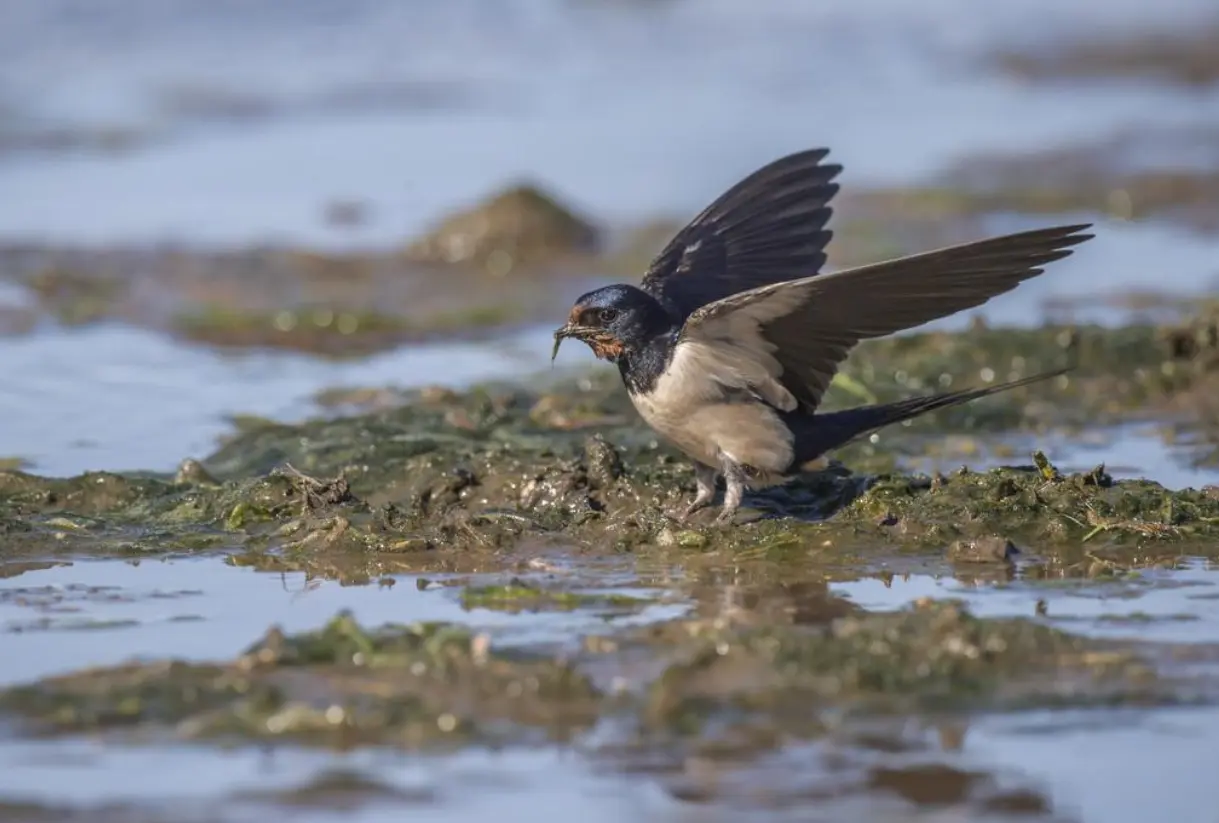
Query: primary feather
[[768, 228]]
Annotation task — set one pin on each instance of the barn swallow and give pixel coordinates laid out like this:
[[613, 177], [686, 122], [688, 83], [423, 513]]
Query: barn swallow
[[730, 341]]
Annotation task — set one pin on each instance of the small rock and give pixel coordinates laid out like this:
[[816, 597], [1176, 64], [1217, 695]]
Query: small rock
[[604, 464], [437, 395], [983, 550], [521, 226], [192, 471]]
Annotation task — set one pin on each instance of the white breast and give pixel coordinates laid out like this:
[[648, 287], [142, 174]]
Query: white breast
[[693, 406]]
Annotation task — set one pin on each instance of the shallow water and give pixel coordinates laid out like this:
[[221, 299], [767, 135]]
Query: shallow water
[[1094, 765], [1098, 764], [247, 785], [197, 609], [153, 401], [1168, 606]]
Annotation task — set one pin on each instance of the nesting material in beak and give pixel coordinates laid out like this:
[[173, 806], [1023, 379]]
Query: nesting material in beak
[[559, 336]]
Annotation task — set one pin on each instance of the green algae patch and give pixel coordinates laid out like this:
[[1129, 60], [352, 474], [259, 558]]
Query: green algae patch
[[440, 684], [331, 305], [322, 330], [1038, 503], [519, 596], [75, 298], [933, 656], [421, 685]]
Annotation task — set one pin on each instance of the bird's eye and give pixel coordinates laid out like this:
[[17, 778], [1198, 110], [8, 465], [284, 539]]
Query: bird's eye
[[607, 315]]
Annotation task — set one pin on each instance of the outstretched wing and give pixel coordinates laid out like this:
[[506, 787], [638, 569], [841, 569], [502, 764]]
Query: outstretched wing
[[784, 342], [768, 228]]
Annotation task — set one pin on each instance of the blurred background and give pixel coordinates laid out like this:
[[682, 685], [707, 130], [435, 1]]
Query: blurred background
[[210, 207]]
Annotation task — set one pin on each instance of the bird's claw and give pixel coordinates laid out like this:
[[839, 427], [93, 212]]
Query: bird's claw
[[684, 514]]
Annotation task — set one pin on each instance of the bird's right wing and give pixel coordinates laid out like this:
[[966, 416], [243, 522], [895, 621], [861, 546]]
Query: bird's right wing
[[769, 227], [785, 341]]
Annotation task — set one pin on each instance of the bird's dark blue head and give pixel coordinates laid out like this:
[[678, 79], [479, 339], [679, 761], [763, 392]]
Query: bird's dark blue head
[[613, 321]]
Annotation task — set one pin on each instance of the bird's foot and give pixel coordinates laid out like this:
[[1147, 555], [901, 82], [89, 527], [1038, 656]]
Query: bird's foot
[[684, 514], [734, 477]]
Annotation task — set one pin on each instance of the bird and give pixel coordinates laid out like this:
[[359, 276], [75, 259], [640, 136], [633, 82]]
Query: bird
[[729, 342]]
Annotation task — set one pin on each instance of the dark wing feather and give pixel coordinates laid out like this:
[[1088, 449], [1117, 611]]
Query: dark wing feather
[[801, 331], [768, 228]]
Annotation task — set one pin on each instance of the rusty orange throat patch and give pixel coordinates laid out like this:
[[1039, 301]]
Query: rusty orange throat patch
[[606, 346]]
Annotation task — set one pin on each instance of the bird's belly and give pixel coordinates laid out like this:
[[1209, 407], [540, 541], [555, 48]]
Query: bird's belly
[[748, 433]]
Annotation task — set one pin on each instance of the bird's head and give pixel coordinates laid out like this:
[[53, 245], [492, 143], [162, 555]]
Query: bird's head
[[611, 321]]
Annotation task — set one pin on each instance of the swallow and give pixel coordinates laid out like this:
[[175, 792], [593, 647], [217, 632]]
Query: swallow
[[729, 342]]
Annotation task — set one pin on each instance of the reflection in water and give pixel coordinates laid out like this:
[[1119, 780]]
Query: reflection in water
[[246, 784], [1111, 765], [67, 616], [53, 620]]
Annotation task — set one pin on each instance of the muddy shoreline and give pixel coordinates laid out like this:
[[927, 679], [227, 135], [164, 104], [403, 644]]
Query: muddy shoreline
[[503, 477]]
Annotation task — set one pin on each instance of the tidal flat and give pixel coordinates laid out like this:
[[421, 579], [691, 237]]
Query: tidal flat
[[297, 520]]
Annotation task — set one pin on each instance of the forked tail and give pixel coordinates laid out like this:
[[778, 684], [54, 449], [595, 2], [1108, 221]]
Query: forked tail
[[819, 433]]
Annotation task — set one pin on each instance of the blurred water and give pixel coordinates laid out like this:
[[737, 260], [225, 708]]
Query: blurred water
[[259, 113], [249, 117]]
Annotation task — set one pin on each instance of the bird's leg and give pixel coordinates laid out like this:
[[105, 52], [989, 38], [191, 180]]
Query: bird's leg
[[704, 484], [734, 479]]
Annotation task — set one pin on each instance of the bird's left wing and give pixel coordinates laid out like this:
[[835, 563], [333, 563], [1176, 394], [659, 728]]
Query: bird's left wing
[[768, 228], [785, 341]]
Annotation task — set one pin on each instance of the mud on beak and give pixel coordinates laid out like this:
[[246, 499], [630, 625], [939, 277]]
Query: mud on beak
[[561, 334]]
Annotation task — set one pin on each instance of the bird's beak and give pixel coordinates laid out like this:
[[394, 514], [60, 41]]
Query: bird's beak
[[562, 334], [571, 331]]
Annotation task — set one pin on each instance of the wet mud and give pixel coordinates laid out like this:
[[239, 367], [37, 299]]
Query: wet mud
[[1176, 56], [569, 460]]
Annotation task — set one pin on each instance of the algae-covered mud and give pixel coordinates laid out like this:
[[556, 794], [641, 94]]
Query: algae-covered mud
[[501, 464]]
